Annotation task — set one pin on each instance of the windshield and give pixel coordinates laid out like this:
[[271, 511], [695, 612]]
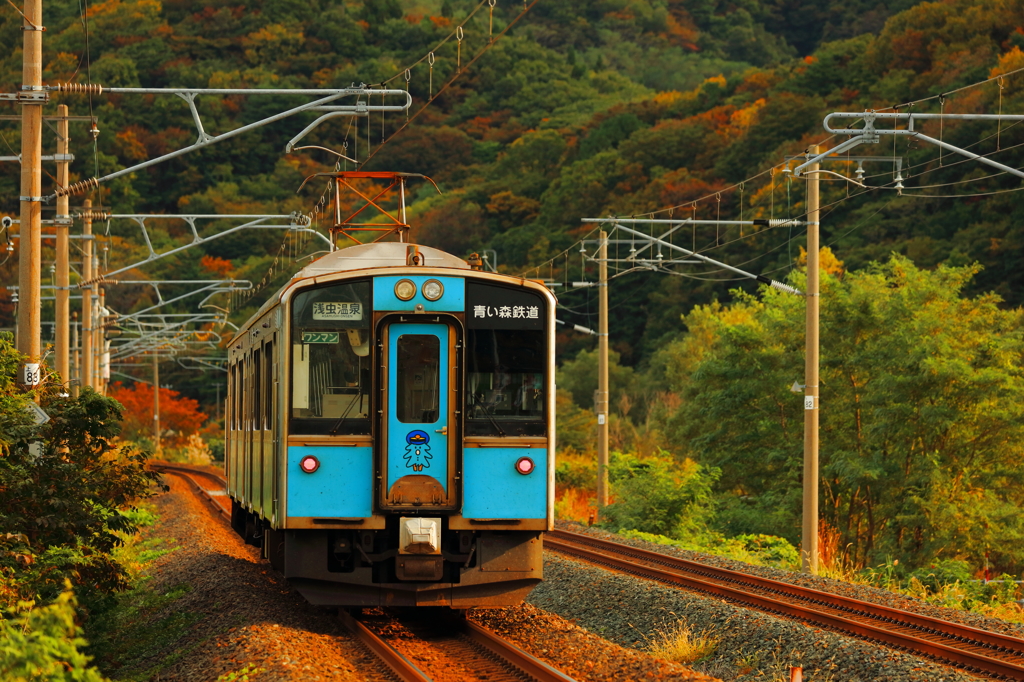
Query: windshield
[[331, 360]]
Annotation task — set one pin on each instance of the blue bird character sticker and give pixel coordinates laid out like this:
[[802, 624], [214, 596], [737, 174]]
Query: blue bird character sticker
[[417, 451]]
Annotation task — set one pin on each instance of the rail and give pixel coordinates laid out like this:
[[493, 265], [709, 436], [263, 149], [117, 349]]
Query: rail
[[215, 496], [979, 651], [484, 643]]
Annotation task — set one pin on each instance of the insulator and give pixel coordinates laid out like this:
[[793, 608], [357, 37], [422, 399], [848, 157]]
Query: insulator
[[785, 287], [78, 187], [779, 222], [82, 88], [95, 215]]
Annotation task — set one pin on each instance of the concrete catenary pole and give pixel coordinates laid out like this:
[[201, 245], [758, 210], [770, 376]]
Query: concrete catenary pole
[[30, 256], [87, 317], [76, 357], [99, 342], [63, 348], [601, 399], [809, 544], [156, 404]]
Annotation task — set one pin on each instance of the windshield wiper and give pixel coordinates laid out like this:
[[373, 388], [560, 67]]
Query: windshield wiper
[[477, 403], [341, 420]]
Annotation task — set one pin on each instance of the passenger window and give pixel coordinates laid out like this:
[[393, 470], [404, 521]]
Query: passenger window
[[330, 360], [268, 385], [257, 385], [418, 378]]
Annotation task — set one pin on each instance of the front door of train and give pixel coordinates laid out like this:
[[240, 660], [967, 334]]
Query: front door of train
[[420, 384]]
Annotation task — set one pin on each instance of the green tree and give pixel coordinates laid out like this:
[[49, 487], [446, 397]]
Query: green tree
[[922, 420], [64, 485], [659, 495]]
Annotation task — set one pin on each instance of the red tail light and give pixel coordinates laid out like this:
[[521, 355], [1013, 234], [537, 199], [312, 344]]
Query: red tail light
[[524, 465]]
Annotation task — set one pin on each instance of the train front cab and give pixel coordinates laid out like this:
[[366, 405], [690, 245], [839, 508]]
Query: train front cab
[[418, 468]]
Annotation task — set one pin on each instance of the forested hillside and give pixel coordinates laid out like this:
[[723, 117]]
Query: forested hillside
[[582, 109], [668, 108]]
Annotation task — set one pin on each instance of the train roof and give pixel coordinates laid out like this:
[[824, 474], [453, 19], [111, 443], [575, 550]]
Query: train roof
[[361, 257], [379, 255]]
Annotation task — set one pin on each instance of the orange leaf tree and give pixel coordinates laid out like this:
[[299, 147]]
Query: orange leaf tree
[[179, 415]]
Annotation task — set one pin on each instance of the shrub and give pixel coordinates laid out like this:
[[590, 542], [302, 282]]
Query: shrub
[[659, 495], [44, 643]]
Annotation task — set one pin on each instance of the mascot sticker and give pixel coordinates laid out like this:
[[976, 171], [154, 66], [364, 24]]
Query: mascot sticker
[[417, 452]]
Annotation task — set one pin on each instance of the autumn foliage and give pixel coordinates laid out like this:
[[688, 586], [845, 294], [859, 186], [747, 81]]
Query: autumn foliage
[[179, 416]]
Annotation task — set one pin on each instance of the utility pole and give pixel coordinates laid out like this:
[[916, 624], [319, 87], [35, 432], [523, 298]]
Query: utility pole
[[809, 543], [100, 343], [156, 404], [30, 257], [77, 371], [61, 225], [601, 402], [86, 374]]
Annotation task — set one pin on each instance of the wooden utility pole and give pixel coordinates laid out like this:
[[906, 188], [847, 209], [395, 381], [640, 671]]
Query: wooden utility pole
[[30, 255], [809, 543], [156, 403], [62, 224], [87, 316], [601, 399]]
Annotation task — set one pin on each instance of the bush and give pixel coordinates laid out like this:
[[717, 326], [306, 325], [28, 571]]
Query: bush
[[44, 643], [64, 485], [659, 495]]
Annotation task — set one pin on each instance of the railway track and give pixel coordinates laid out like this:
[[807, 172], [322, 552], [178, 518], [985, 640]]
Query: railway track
[[464, 650], [208, 486], [447, 648], [978, 651]]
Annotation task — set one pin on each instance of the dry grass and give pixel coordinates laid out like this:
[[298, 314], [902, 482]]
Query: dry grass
[[682, 645], [576, 505]]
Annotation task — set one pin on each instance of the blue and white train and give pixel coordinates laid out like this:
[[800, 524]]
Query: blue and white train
[[390, 430]]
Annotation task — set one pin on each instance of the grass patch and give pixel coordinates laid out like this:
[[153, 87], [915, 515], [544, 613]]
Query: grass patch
[[242, 675], [759, 550], [132, 630], [682, 645]]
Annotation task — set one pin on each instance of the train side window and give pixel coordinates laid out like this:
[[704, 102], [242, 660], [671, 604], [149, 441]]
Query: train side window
[[268, 385], [232, 389], [418, 378], [257, 385], [330, 359]]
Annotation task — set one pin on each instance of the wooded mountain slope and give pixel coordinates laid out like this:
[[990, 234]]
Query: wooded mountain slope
[[582, 109]]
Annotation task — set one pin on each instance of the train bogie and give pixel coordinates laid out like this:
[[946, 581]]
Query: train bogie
[[390, 431]]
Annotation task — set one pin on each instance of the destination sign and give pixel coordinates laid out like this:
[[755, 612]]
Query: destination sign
[[321, 337], [324, 310]]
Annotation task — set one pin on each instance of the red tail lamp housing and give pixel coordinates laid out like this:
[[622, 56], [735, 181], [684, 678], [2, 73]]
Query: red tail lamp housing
[[525, 466], [309, 464]]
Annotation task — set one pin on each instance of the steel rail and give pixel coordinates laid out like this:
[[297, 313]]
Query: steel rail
[[530, 665], [212, 496], [391, 657], [982, 651]]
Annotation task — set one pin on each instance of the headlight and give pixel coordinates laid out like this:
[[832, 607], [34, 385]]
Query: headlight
[[405, 289], [524, 465], [309, 464], [432, 290]]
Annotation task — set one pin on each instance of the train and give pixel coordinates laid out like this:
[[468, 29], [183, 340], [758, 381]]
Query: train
[[389, 431]]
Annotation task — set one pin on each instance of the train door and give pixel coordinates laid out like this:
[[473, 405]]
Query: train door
[[419, 379]]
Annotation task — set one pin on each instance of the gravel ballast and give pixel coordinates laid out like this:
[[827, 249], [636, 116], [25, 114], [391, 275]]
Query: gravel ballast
[[632, 612], [862, 592]]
